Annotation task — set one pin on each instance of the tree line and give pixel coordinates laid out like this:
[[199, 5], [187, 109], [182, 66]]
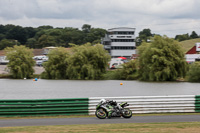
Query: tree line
[[44, 36], [145, 35], [160, 60]]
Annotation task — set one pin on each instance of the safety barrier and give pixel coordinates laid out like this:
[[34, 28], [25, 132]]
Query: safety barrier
[[154, 104], [197, 103], [73, 106], [78, 106]]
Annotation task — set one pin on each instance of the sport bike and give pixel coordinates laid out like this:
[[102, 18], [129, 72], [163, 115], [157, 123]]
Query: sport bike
[[112, 109]]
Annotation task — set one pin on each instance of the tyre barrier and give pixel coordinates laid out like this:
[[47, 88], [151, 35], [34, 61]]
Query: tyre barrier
[[87, 106]]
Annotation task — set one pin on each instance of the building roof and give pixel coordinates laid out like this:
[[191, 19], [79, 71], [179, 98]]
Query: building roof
[[192, 50], [2, 53], [38, 52], [51, 47], [122, 29]]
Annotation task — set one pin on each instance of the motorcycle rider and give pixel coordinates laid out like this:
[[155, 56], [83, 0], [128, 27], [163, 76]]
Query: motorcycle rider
[[108, 104], [109, 108]]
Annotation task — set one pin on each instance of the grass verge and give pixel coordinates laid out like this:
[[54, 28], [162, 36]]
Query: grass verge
[[178, 127], [5, 76]]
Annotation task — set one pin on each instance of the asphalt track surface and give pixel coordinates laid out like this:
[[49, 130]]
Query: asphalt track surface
[[94, 120]]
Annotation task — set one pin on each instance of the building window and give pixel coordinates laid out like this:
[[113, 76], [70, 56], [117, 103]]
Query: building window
[[122, 48], [122, 40], [121, 33], [106, 43]]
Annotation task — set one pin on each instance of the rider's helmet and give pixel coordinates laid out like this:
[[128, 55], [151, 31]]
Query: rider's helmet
[[103, 101]]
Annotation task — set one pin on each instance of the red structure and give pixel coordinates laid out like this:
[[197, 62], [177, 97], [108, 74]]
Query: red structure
[[192, 50]]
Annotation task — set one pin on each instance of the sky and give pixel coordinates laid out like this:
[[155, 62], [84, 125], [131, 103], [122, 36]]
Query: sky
[[164, 17]]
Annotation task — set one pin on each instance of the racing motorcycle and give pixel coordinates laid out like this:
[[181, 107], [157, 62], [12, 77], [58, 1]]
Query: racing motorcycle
[[112, 109]]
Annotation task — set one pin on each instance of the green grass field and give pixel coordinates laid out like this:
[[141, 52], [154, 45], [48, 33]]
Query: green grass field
[[188, 44]]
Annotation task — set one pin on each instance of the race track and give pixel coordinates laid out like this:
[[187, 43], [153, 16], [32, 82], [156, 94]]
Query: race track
[[94, 120]]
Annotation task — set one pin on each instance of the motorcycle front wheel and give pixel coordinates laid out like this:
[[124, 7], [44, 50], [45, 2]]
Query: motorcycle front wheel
[[127, 113], [101, 113]]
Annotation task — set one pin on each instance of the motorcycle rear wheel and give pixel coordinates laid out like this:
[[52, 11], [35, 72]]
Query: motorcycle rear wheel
[[101, 114], [127, 113]]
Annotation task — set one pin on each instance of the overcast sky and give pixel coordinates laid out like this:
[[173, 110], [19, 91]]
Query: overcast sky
[[169, 17]]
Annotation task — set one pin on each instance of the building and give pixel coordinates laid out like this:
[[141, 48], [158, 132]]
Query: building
[[120, 42], [193, 54]]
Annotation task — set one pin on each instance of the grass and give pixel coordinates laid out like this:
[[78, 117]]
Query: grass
[[188, 44], [111, 75], [9, 76], [5, 76], [176, 127]]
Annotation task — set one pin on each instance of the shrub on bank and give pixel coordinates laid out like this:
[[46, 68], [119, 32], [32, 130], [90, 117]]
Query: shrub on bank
[[112, 75], [193, 74], [128, 72], [2, 76]]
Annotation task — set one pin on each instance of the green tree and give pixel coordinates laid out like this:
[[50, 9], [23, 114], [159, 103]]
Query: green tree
[[194, 35], [46, 40], [95, 35], [30, 32], [86, 28], [45, 27], [72, 35], [50, 37], [145, 34], [6, 43], [2, 36], [87, 62], [31, 43], [18, 33], [20, 61], [161, 60], [182, 37], [193, 74], [56, 66]]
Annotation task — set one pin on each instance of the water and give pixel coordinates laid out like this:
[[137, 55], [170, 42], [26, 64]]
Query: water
[[47, 89]]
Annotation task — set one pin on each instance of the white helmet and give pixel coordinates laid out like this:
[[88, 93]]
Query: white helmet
[[103, 100]]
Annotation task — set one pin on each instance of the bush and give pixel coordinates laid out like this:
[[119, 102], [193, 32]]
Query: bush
[[5, 76], [112, 75], [193, 74], [128, 72]]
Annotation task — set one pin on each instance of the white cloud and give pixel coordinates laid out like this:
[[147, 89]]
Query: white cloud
[[105, 14]]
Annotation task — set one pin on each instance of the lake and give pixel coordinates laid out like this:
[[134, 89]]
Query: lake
[[52, 89]]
